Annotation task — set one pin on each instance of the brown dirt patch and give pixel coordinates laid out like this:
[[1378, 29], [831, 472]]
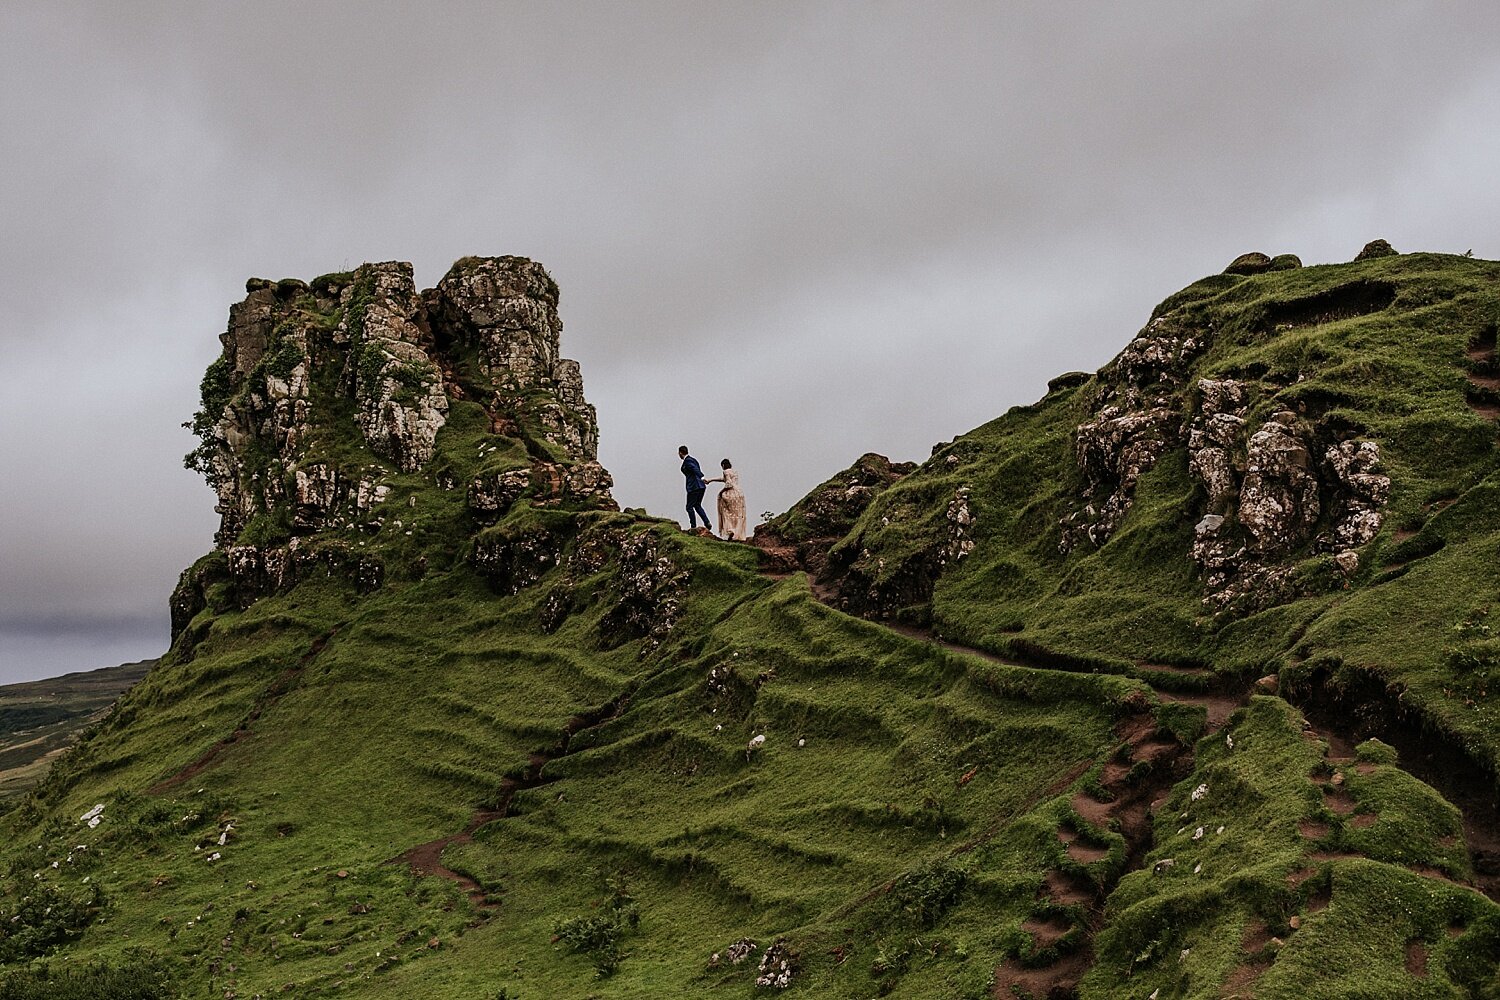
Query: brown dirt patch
[[1313, 829], [1416, 959], [1318, 901], [1257, 936], [1219, 706], [1299, 876], [1091, 809], [1080, 851], [1339, 801], [1154, 750], [1058, 981], [1240, 982], [1066, 890], [1364, 821], [1135, 728], [427, 859], [1045, 932]]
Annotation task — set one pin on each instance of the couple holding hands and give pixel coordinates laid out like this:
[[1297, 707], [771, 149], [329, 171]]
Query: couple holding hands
[[731, 500]]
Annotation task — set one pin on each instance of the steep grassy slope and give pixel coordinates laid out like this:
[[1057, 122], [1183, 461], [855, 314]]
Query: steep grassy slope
[[559, 751]]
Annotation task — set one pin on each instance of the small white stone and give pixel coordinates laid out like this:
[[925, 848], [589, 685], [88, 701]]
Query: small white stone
[[1198, 833]]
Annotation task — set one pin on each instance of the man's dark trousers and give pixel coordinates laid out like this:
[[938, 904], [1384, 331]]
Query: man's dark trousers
[[695, 506]]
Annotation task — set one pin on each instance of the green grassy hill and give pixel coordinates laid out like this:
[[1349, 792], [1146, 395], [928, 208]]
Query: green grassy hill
[[41, 719], [438, 721]]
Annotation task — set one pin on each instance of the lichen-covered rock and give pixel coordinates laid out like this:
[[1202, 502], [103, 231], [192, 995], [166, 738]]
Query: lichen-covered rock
[[1279, 496], [513, 558], [1113, 451], [321, 494], [1375, 248], [1249, 263], [1213, 436], [775, 971], [1285, 262], [1362, 492], [1134, 423], [652, 588], [507, 307], [397, 386], [545, 484], [960, 526], [326, 390], [259, 570], [801, 538]]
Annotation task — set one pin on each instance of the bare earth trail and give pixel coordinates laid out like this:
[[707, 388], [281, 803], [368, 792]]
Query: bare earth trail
[[427, 858], [284, 682]]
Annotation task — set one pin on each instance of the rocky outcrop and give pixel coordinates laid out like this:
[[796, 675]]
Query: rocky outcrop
[[545, 484], [1277, 493], [652, 590], [324, 497], [1135, 422], [326, 392], [507, 308], [1249, 263], [802, 537], [258, 570], [1215, 433], [396, 384], [1279, 502], [1361, 493], [1285, 490], [513, 559], [1375, 248]]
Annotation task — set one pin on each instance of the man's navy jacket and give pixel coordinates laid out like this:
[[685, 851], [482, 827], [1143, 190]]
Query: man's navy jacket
[[694, 473]]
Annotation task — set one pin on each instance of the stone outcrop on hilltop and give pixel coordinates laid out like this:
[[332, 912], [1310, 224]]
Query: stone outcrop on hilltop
[[327, 393], [1275, 486]]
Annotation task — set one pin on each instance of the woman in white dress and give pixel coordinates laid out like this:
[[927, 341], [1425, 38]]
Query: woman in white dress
[[731, 504]]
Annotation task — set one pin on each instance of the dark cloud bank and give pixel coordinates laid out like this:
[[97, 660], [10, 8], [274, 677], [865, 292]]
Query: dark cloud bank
[[784, 233]]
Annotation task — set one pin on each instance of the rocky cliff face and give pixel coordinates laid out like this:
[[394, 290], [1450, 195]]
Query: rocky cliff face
[[330, 397]]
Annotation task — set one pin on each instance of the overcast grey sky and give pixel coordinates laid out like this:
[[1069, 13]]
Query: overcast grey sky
[[785, 232]]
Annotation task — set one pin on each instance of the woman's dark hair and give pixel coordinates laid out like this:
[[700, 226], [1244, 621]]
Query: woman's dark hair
[[724, 464]]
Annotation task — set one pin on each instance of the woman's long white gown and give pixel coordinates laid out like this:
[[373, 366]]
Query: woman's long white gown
[[732, 508]]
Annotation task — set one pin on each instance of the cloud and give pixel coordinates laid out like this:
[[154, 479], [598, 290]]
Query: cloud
[[788, 234]]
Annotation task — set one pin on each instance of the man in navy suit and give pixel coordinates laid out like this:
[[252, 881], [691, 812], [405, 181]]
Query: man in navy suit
[[696, 487]]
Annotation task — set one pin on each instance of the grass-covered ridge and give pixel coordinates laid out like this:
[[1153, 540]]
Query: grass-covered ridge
[[1398, 350], [559, 751]]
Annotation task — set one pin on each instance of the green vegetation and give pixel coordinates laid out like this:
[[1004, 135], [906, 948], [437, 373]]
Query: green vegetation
[[574, 753]]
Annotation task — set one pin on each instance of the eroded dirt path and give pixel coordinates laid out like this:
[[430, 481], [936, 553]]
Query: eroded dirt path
[[274, 692], [427, 858]]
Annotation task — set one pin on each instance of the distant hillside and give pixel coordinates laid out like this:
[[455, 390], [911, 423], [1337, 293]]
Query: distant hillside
[[1177, 683], [40, 719]]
